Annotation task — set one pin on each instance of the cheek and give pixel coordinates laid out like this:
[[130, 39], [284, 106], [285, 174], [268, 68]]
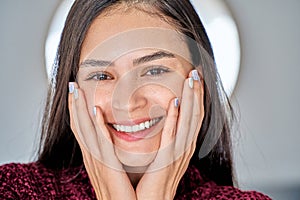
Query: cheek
[[101, 97], [158, 96], [166, 89], [88, 94]]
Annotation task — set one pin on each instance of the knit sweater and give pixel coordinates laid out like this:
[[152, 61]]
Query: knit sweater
[[35, 181]]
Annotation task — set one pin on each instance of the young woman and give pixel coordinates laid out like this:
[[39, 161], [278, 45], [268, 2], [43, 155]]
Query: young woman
[[136, 110]]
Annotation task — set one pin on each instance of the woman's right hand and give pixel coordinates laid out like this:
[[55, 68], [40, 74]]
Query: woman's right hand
[[105, 171]]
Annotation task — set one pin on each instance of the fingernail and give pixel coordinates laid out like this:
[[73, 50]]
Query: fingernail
[[191, 83], [195, 75], [75, 93], [71, 87], [176, 103], [94, 110]]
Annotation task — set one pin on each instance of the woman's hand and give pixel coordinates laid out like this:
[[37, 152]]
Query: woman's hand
[[106, 174], [178, 144]]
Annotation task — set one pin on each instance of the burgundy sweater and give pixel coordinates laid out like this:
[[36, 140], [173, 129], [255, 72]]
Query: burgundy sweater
[[35, 181]]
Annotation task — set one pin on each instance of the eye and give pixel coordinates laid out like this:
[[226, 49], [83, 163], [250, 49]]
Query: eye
[[100, 76], [156, 71]]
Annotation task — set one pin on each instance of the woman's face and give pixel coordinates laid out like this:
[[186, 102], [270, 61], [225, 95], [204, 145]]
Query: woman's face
[[132, 86]]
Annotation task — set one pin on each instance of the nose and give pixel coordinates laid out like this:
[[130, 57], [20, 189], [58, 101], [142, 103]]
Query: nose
[[128, 95]]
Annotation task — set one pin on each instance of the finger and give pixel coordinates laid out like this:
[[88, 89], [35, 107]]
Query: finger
[[169, 129], [100, 124], [198, 91], [82, 122], [108, 156], [71, 101], [165, 154], [185, 115], [198, 108]]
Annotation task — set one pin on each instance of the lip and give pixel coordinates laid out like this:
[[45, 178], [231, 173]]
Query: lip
[[136, 136]]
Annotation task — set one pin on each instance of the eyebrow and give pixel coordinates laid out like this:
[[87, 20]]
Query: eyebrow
[[155, 56], [95, 63], [148, 58]]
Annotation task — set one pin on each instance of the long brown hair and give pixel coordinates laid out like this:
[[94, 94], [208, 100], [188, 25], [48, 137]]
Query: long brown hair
[[58, 146]]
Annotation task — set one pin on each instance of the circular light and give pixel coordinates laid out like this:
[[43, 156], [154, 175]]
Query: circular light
[[222, 32], [217, 20], [54, 34]]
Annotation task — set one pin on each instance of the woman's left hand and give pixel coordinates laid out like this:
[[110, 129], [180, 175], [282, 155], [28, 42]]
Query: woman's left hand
[[178, 143]]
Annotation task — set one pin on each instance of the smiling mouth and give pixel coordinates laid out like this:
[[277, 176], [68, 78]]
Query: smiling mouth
[[138, 127]]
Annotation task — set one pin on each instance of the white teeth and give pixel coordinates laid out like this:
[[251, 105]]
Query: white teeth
[[142, 126], [128, 129], [136, 128], [147, 124]]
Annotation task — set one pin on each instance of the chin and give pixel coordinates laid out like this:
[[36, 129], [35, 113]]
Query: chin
[[135, 162]]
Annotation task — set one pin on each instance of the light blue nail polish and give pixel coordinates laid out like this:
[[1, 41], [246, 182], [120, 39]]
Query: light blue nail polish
[[176, 103], [94, 110], [195, 75], [76, 93], [71, 87], [191, 83]]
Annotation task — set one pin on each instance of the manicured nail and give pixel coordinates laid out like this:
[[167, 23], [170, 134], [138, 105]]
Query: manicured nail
[[191, 83], [176, 103], [195, 75], [76, 93], [94, 110], [71, 87]]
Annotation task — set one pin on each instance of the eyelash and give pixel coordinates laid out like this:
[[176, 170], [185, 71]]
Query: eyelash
[[157, 69], [151, 71], [100, 76]]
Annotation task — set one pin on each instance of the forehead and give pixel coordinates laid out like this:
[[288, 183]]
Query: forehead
[[118, 32]]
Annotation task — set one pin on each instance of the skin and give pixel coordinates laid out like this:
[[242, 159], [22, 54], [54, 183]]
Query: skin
[[158, 159]]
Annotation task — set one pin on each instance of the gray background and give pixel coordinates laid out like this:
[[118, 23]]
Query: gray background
[[267, 93]]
